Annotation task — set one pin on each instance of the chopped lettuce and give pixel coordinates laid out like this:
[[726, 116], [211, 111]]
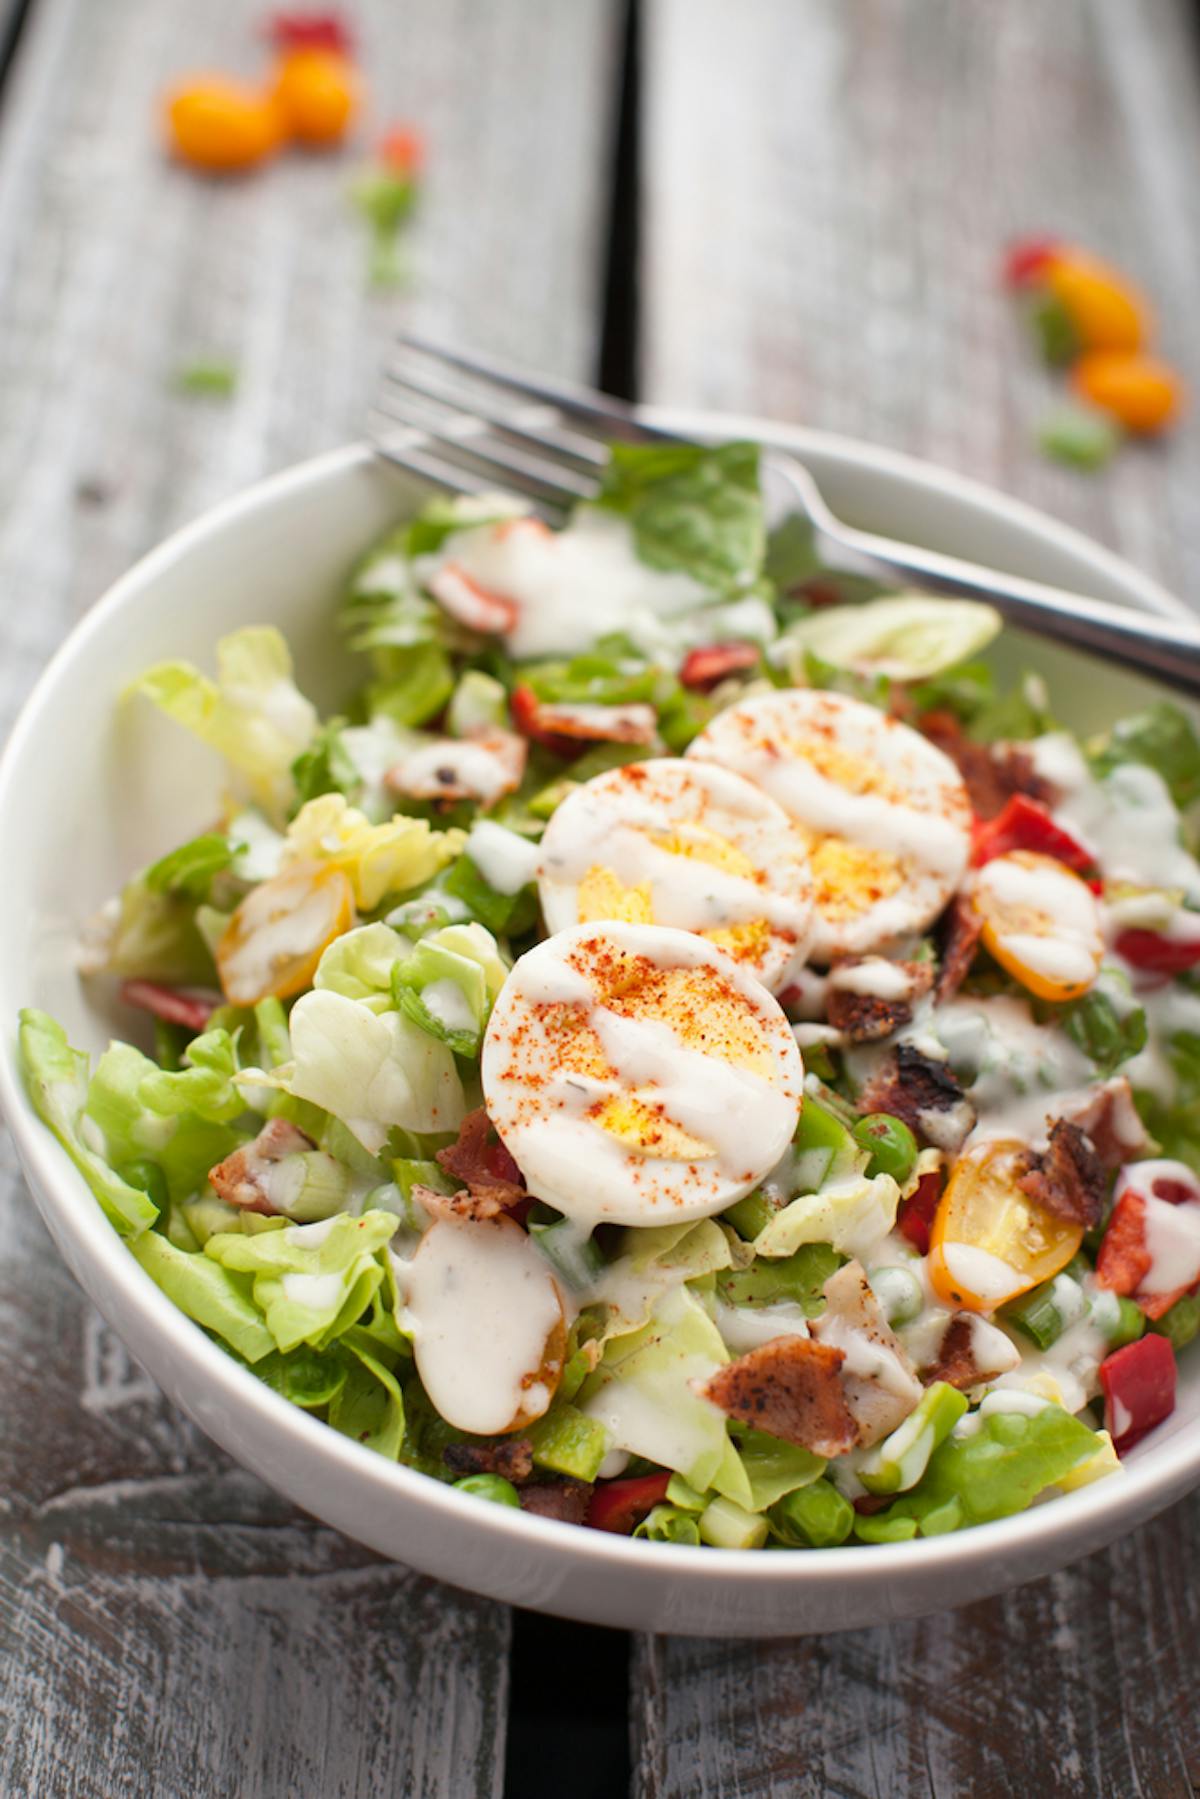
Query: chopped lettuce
[[693, 508], [1162, 738], [192, 868], [253, 713], [359, 965], [774, 1468], [326, 766], [213, 1296], [151, 934], [310, 1281], [851, 1214], [182, 1122], [903, 636], [379, 859], [57, 1078], [448, 983], [369, 1405], [1106, 1023]]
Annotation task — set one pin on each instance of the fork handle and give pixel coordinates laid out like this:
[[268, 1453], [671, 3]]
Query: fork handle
[[1165, 649]]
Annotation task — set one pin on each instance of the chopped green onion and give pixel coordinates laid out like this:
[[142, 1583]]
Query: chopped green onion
[[569, 1442], [750, 1215], [210, 376], [1179, 1325], [502, 913], [898, 1463], [1084, 440], [682, 1494], [727, 1525]]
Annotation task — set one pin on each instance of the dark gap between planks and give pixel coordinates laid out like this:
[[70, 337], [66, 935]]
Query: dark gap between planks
[[568, 1721], [14, 15]]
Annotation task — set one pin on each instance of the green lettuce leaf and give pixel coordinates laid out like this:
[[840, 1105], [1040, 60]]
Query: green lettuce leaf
[[359, 964], [447, 984], [369, 1406], [182, 1122], [901, 636], [191, 869], [1107, 1024], [326, 766], [310, 1281], [692, 508], [57, 1078], [1162, 738], [154, 937], [851, 1214], [211, 1295], [253, 713], [774, 1468]]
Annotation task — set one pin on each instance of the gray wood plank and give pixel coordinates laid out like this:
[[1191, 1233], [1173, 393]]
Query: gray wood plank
[[827, 190], [166, 1625]]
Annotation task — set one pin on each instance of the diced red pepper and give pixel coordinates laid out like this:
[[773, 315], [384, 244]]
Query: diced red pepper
[[1138, 1382], [1028, 259], [620, 1505], [713, 662], [1157, 954], [174, 1005], [567, 730], [1025, 825], [915, 1217], [1124, 1260]]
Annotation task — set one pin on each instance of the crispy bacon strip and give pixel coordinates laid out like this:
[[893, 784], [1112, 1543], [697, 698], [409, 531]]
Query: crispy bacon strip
[[962, 927], [512, 1458], [483, 766], [480, 1161], [922, 1092], [992, 772], [866, 1017], [1067, 1178], [565, 1499], [792, 1388], [192, 1007], [971, 1351], [1109, 1118], [476, 607], [567, 730], [880, 1386], [242, 1178], [712, 663]]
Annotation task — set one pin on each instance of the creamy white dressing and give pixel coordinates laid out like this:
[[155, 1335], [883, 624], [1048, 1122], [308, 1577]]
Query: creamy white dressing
[[1044, 917], [506, 861], [448, 1003], [317, 1292], [744, 1328], [567, 587], [481, 1304], [1173, 1242], [979, 1272], [666, 827], [874, 976], [1128, 820], [483, 768]]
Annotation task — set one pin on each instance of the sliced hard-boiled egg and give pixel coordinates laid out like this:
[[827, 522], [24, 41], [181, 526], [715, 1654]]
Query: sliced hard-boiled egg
[[685, 844], [884, 814], [1041, 922], [990, 1240], [638, 1075], [487, 1323], [278, 934]]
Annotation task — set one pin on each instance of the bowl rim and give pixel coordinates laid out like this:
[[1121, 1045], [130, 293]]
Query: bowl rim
[[1107, 1506]]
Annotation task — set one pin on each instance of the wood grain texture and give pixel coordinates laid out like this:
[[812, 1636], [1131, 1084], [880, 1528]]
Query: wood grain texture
[[166, 1625], [827, 191]]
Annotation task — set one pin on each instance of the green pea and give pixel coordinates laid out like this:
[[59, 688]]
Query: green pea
[[890, 1144], [490, 1486]]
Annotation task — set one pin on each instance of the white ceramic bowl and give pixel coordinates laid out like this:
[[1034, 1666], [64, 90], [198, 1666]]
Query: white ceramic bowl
[[74, 821]]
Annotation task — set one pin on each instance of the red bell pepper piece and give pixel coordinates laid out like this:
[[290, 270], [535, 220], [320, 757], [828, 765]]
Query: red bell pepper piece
[[1124, 1259], [713, 662], [174, 1005], [620, 1505], [915, 1217], [1156, 954], [1138, 1382], [310, 31], [1026, 825], [1027, 260]]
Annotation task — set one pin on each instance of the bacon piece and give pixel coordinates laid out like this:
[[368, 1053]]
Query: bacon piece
[[243, 1179], [480, 1161], [476, 607], [922, 1092], [961, 929], [992, 772], [483, 766], [1110, 1119], [1124, 1258], [879, 1382], [1067, 1178], [714, 662], [791, 1387], [865, 1017], [564, 1499], [567, 730], [511, 1458], [192, 1007], [971, 1351]]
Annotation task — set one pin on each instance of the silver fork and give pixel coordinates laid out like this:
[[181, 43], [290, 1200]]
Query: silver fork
[[469, 422]]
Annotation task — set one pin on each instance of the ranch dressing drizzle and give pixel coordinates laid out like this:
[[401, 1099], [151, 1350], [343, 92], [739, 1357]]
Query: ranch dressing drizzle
[[480, 1303]]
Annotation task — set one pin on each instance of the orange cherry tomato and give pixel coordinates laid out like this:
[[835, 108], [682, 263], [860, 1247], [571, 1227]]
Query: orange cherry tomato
[[1040, 922], [1142, 392], [402, 150], [319, 92], [991, 1242], [273, 942], [1108, 313], [221, 125]]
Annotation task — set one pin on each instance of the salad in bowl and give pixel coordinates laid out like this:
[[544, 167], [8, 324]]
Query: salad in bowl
[[683, 1051]]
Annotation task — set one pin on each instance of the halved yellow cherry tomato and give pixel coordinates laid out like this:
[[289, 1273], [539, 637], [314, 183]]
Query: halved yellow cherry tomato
[[1041, 922], [319, 92], [273, 942], [1144, 393], [221, 125], [990, 1241], [1107, 311]]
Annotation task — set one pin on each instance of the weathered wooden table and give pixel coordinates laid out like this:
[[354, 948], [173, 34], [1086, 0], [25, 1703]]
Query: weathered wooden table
[[821, 190]]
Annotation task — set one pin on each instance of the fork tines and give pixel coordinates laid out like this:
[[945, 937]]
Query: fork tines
[[470, 423]]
